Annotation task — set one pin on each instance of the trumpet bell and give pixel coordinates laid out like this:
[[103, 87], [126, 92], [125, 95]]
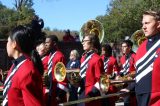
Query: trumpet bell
[[104, 83], [73, 76], [60, 72], [92, 27]]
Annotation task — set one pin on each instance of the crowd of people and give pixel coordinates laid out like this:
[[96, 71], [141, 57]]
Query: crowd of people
[[31, 80]]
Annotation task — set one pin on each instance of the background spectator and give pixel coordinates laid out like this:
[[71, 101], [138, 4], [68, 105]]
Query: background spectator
[[68, 37]]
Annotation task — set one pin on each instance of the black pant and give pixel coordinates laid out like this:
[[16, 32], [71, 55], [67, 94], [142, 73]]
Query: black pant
[[143, 99]]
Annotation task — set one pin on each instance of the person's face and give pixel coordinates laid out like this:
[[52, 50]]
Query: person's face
[[103, 52], [149, 25], [11, 45], [125, 48], [86, 44], [48, 44], [72, 56], [41, 49]]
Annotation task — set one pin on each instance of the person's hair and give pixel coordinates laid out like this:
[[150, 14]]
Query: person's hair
[[25, 38], [128, 42], [53, 38], [94, 41], [155, 14], [41, 39], [107, 49], [67, 31], [75, 53]]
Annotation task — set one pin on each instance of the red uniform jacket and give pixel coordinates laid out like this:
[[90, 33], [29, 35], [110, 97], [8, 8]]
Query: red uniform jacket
[[150, 83], [131, 62], [26, 86], [112, 65], [112, 68], [58, 57], [155, 95], [94, 70]]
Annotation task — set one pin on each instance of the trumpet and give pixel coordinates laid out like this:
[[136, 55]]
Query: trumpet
[[105, 82]]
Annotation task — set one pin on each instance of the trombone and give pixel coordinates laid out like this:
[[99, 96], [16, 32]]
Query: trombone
[[105, 82]]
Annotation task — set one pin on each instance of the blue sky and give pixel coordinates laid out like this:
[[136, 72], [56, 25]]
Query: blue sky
[[66, 14]]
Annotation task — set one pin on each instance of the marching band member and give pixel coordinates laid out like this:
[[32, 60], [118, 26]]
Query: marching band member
[[57, 90], [128, 59], [111, 68], [40, 46], [91, 68], [128, 67], [148, 62], [110, 62], [23, 85], [41, 49]]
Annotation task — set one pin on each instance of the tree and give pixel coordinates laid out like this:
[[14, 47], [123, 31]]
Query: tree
[[123, 17], [10, 18], [19, 4]]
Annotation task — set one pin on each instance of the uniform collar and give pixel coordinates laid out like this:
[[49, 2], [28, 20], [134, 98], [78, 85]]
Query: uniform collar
[[52, 51], [106, 58], [129, 55], [88, 53], [18, 60], [153, 38]]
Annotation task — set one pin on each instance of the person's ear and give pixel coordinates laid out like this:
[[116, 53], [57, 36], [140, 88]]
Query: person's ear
[[158, 26], [14, 44]]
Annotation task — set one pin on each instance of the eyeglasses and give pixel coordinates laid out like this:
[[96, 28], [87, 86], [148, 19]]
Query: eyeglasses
[[124, 46], [85, 40]]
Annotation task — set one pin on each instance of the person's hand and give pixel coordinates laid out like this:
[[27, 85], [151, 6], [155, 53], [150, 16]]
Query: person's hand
[[118, 77], [58, 99], [124, 91], [67, 95]]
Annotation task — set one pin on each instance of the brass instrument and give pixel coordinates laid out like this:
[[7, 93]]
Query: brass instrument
[[137, 38], [73, 76], [105, 82], [45, 79], [92, 27], [129, 76], [60, 72]]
